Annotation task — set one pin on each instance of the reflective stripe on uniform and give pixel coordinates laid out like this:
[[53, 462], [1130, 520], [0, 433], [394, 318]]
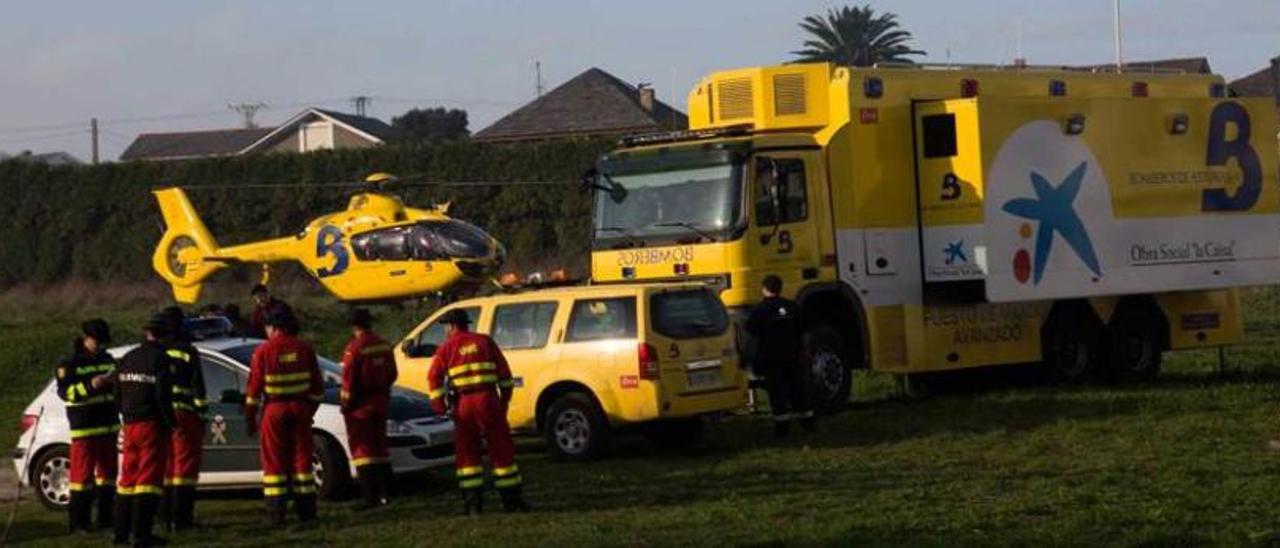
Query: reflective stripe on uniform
[[77, 487], [304, 477], [104, 481], [251, 401], [286, 389], [178, 354], [506, 471], [181, 390], [100, 398], [478, 379], [507, 383], [470, 471], [148, 490], [304, 489], [77, 390], [96, 431], [100, 368], [122, 490], [375, 349], [506, 482], [275, 491], [289, 377], [470, 368], [436, 394], [365, 461], [473, 483], [178, 482]]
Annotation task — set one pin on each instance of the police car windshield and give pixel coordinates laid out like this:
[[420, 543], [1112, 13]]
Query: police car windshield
[[244, 354], [691, 199]]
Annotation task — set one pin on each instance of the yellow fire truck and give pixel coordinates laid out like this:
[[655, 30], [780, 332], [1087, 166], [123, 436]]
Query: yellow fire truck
[[938, 218]]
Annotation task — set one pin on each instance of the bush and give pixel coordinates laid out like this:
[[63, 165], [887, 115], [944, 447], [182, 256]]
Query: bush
[[99, 223]]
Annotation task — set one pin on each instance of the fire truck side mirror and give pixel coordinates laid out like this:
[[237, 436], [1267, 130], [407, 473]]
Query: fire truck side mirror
[[590, 180]]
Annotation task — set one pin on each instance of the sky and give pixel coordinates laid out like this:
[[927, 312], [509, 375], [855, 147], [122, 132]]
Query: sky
[[161, 65]]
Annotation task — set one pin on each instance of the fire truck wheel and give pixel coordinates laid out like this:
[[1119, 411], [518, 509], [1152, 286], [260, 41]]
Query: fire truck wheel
[[1133, 345], [831, 375], [575, 429], [329, 465], [1071, 344]]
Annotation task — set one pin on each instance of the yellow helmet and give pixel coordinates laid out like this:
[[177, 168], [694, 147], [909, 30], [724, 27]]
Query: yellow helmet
[[379, 178]]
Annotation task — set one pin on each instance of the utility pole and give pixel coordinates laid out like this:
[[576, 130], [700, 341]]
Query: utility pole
[[248, 110], [537, 69], [93, 137], [361, 104], [1119, 50]]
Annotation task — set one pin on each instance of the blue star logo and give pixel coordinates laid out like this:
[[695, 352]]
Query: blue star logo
[[1052, 208], [955, 250]]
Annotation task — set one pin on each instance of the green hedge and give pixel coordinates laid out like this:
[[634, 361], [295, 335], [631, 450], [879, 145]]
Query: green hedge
[[99, 223]]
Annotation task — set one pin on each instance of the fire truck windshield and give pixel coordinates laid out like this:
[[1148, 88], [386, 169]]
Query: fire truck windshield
[[691, 202]]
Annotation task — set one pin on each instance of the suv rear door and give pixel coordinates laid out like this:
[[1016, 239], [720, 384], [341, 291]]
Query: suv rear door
[[523, 330], [689, 328]]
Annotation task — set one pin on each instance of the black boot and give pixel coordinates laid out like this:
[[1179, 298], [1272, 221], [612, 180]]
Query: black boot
[[106, 505], [472, 502], [513, 499], [78, 518], [276, 509], [368, 477], [145, 508], [123, 519], [184, 507], [306, 507], [382, 482], [165, 512]]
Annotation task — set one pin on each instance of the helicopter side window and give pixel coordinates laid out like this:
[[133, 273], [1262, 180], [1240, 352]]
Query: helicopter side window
[[388, 244]]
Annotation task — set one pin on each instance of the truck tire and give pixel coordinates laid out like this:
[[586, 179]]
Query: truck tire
[[329, 463], [1071, 345], [51, 477], [1133, 345], [575, 429], [831, 368], [675, 433]]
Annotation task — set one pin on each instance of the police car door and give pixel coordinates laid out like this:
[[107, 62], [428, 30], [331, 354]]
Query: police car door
[[227, 447]]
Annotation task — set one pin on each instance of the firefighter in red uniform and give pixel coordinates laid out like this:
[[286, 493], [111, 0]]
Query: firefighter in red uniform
[[190, 409], [368, 371], [144, 391], [470, 377], [284, 379], [84, 384]]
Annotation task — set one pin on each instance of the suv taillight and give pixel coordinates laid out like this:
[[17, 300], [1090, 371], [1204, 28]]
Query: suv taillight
[[648, 362], [26, 423]]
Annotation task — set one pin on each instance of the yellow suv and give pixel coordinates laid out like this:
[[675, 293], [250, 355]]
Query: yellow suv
[[588, 360]]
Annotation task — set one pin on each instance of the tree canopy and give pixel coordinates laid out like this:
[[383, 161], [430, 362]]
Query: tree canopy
[[856, 36], [430, 124]]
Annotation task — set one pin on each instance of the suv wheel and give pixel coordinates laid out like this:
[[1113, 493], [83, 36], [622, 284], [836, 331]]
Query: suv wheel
[[329, 465], [575, 428], [51, 477]]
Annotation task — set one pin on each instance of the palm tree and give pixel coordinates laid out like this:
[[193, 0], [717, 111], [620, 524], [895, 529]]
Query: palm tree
[[855, 36]]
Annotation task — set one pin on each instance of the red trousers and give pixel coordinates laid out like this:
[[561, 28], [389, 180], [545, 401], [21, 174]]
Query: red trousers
[[93, 460], [146, 446], [185, 448], [286, 448], [481, 414], [367, 437]]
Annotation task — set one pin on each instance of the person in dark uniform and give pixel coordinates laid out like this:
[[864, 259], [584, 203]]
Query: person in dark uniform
[[84, 383], [190, 411], [144, 392], [778, 327]]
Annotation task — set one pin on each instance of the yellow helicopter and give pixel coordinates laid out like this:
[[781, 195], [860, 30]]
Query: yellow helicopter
[[376, 249]]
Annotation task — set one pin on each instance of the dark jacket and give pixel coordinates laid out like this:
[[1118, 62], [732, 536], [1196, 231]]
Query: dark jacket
[[144, 384], [188, 377], [90, 412], [778, 327]]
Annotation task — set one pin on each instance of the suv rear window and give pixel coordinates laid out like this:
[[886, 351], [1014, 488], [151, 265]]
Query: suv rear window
[[687, 314], [601, 319]]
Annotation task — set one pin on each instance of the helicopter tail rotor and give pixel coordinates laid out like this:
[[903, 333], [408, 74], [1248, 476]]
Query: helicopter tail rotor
[[185, 255]]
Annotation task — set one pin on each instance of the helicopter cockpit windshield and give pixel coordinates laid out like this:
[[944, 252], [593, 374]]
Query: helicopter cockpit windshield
[[423, 241]]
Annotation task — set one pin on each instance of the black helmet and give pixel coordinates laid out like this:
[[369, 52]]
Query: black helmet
[[360, 317], [456, 316], [160, 326], [98, 329]]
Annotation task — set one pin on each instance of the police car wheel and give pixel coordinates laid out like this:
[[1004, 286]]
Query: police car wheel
[[51, 477], [329, 465], [574, 428]]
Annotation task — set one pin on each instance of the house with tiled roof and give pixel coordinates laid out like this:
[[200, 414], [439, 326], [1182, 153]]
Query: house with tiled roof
[[1262, 83], [310, 130], [592, 104]]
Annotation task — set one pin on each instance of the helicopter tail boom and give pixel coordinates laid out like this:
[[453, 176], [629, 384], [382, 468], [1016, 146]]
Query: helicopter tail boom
[[185, 255]]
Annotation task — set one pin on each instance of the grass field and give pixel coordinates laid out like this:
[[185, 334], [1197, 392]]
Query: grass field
[[1178, 461]]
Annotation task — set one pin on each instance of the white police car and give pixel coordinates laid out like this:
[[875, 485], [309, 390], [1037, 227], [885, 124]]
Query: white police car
[[418, 438]]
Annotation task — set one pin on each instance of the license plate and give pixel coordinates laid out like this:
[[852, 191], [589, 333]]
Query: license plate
[[704, 379]]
